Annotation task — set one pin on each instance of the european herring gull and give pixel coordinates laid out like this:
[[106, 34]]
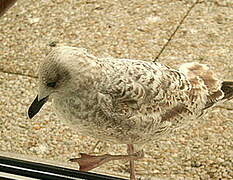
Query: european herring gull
[[124, 101]]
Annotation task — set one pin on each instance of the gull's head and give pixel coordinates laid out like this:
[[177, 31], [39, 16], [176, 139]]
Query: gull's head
[[54, 75]]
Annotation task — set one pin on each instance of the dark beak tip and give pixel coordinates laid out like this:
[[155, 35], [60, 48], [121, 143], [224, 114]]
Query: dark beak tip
[[36, 106], [30, 115]]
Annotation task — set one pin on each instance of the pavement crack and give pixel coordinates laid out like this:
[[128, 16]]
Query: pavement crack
[[17, 74], [177, 28]]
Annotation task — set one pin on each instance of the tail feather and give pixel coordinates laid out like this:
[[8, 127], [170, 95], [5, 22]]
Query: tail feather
[[227, 88], [217, 90]]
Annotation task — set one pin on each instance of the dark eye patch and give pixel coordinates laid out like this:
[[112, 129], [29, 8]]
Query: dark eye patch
[[51, 84]]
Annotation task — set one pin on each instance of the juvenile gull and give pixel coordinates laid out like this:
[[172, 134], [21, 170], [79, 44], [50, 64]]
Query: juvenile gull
[[124, 101]]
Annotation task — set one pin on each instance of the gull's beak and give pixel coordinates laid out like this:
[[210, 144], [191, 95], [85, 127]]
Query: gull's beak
[[36, 106]]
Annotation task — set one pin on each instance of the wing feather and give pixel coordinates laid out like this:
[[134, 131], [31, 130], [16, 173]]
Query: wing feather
[[138, 85]]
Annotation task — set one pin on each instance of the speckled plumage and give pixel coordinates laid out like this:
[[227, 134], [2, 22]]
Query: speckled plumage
[[125, 101]]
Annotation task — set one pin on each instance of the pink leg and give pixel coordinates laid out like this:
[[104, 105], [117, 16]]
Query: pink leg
[[130, 151], [88, 162]]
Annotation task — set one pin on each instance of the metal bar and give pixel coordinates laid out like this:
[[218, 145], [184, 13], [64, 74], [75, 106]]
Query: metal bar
[[45, 171]]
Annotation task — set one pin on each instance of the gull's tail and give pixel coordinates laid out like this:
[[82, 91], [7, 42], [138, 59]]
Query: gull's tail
[[217, 90], [227, 88], [225, 92]]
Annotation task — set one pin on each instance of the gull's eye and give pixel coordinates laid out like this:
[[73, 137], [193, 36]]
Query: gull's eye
[[51, 84]]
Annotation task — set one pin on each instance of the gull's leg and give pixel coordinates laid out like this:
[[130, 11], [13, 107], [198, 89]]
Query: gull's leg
[[130, 151], [88, 162]]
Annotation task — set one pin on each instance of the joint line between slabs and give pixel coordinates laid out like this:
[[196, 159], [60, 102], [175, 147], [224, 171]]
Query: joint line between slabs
[[18, 74], [177, 28]]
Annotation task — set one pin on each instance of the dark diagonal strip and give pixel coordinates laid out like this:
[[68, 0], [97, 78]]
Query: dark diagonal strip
[[45, 171]]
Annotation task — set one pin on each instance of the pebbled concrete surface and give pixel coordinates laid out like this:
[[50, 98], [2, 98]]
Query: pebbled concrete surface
[[124, 29]]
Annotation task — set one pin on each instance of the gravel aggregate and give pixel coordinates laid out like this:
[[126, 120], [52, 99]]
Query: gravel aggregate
[[123, 29]]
